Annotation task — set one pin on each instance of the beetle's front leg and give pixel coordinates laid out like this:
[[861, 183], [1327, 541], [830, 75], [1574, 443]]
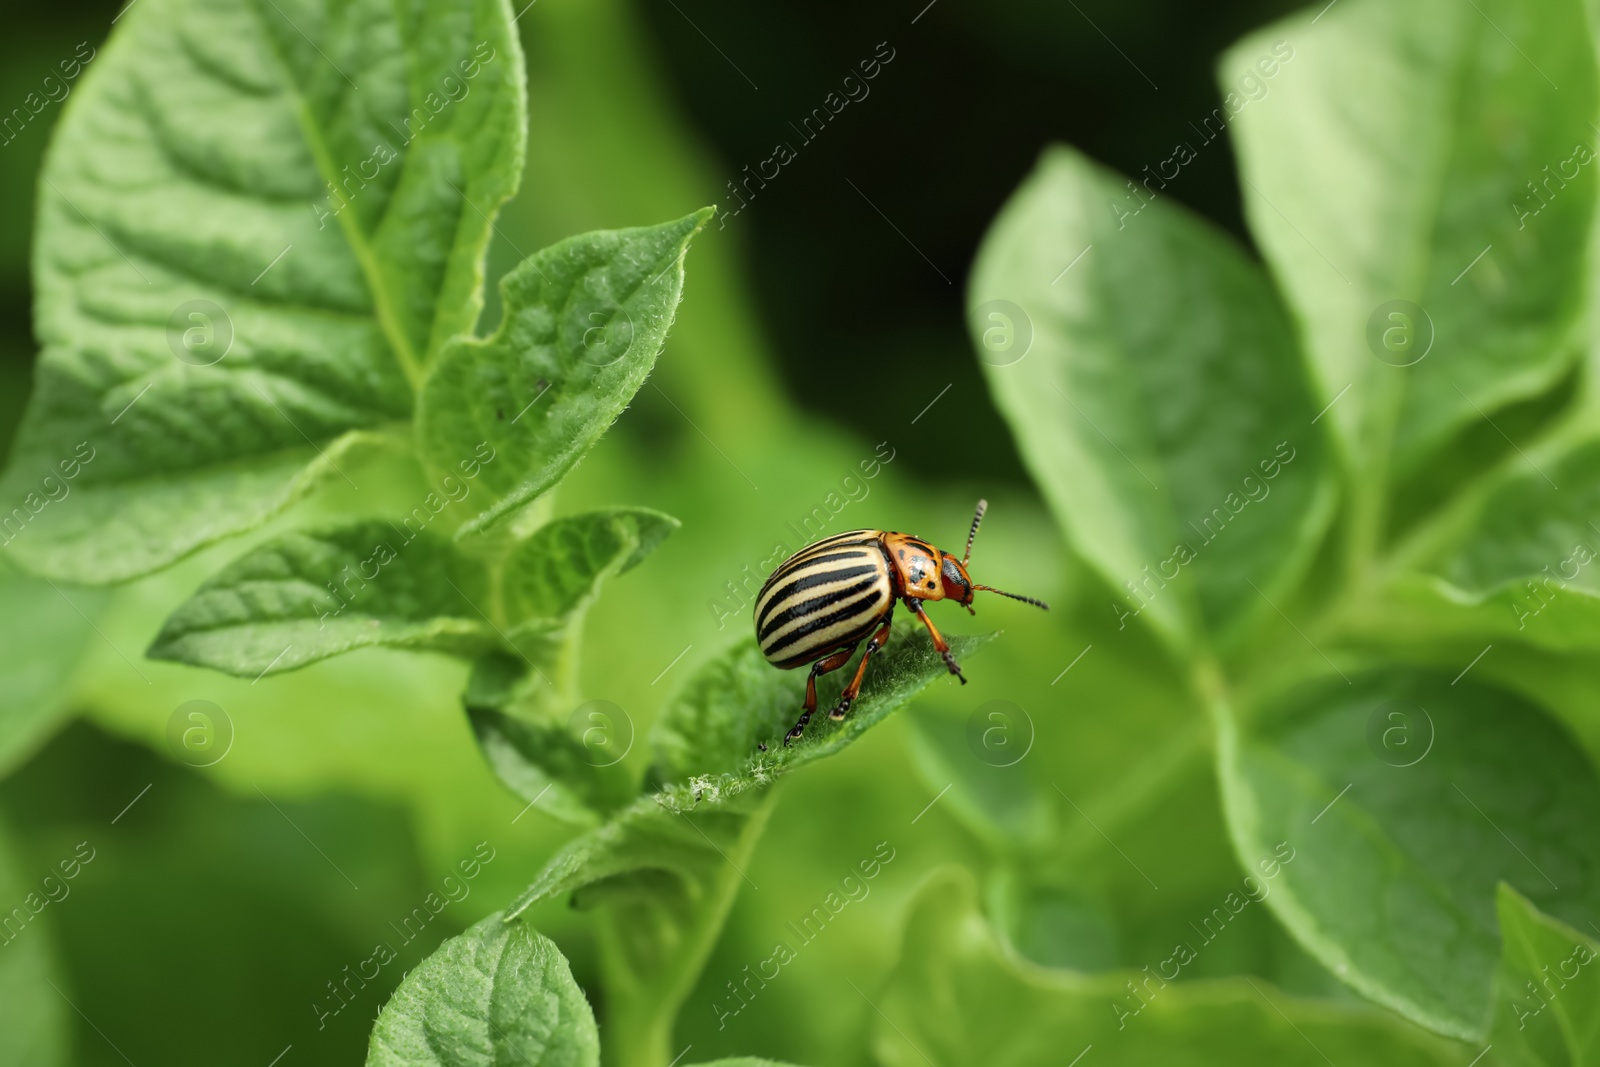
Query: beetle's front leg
[[939, 642], [848, 697]]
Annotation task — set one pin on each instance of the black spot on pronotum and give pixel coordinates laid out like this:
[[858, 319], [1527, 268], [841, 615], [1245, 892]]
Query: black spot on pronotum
[[902, 553]]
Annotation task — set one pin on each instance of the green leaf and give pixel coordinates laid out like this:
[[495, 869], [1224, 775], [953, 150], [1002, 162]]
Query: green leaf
[[305, 596], [1395, 146], [1405, 798], [33, 1017], [1523, 527], [1161, 404], [706, 742], [534, 750], [1547, 993], [42, 636], [999, 800], [523, 707], [499, 995], [583, 322], [195, 165], [550, 580], [958, 997], [708, 733], [664, 869]]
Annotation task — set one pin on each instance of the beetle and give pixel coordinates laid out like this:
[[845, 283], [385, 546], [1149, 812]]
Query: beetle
[[823, 601]]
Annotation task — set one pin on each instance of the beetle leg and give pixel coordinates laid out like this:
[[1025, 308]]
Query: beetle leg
[[822, 666], [939, 642], [848, 697]]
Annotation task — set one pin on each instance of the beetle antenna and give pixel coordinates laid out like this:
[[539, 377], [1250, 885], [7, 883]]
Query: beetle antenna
[[1013, 596], [977, 517]]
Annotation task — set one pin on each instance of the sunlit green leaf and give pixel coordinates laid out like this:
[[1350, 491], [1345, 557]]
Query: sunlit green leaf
[[42, 635], [1547, 989], [1155, 389], [257, 223], [1420, 178], [583, 322], [713, 725], [305, 596], [1405, 798], [33, 1017], [499, 995], [957, 997]]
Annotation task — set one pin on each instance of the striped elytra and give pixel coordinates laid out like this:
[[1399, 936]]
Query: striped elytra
[[825, 597]]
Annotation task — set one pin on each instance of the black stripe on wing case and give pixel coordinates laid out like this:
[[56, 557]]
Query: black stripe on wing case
[[808, 608], [862, 606], [810, 579]]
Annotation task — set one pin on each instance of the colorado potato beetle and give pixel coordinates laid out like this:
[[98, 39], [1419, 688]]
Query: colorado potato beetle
[[825, 599]]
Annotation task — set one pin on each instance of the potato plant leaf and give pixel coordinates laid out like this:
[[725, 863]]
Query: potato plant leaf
[[583, 322], [498, 995], [1389, 171], [541, 738], [1547, 989], [664, 870], [710, 729], [1155, 389], [1407, 799], [565, 769], [549, 580], [42, 635], [257, 224], [958, 997], [34, 1025], [305, 596]]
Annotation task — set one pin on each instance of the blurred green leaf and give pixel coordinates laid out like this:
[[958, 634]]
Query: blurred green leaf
[[211, 139], [1051, 925], [1515, 559], [1405, 799], [583, 321], [305, 596], [33, 1016], [1155, 389], [499, 995], [999, 801], [42, 636], [957, 998], [1547, 993], [1395, 156]]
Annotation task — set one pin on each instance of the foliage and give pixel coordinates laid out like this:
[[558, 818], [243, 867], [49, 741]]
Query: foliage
[[1305, 499], [1167, 403]]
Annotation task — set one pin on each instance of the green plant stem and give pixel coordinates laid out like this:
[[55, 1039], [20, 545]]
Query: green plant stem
[[641, 1010]]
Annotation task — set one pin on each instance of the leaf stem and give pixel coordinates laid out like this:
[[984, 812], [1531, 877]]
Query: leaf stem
[[641, 1011]]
